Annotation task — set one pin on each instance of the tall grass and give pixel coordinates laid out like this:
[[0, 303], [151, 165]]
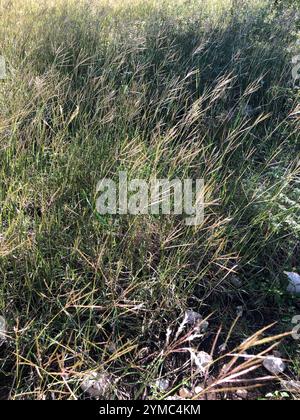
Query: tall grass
[[198, 89]]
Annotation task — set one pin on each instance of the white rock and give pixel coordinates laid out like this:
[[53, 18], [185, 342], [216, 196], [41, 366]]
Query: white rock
[[203, 360], [96, 384], [294, 282], [242, 393], [192, 317], [162, 384], [274, 365], [198, 389]]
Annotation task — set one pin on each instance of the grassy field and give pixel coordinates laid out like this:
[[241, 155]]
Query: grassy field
[[166, 89]]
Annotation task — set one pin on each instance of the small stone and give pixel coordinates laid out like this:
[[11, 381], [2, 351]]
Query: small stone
[[198, 389], [184, 393], [242, 393], [192, 317], [203, 360], [162, 384], [294, 282], [274, 365], [96, 384]]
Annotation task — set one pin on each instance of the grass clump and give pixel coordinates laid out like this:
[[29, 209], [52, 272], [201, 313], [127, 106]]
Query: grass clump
[[197, 89]]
